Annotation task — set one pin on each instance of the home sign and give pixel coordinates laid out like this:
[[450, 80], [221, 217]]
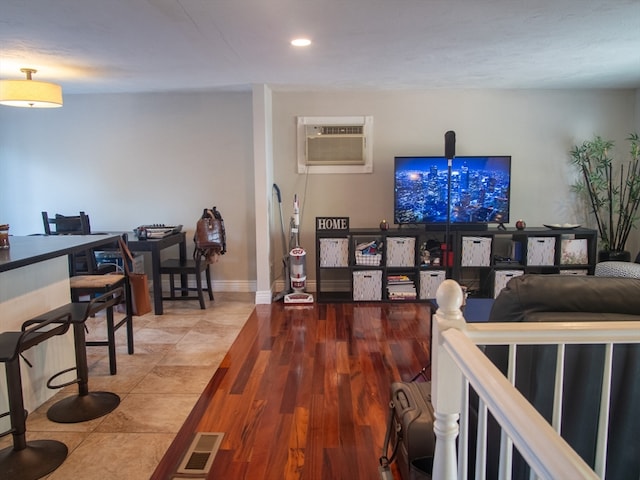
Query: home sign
[[332, 223]]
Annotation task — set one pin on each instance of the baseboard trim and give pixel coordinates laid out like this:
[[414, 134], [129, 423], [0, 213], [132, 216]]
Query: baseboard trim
[[234, 286], [263, 297], [248, 286], [242, 286]]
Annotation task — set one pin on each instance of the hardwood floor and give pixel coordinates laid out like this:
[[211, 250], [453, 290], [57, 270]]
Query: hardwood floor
[[303, 392]]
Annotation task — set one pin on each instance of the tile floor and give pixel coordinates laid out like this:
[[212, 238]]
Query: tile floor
[[175, 356]]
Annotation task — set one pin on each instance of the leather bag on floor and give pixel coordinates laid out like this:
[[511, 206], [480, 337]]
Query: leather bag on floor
[[139, 283]]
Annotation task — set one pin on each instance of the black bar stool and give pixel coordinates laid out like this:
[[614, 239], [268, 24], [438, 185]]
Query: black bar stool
[[37, 458], [94, 285], [85, 405]]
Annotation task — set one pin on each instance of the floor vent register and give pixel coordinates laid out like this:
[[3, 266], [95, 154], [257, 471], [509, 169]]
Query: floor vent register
[[199, 456]]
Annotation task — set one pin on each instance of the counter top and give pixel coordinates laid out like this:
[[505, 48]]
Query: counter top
[[37, 248]]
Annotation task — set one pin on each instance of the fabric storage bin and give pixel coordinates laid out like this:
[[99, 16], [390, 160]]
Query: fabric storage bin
[[476, 252], [430, 280], [541, 250], [367, 285], [334, 252], [401, 251], [501, 279], [574, 271], [574, 251]]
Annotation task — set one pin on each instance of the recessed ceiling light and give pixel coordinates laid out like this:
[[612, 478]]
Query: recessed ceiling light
[[301, 42]]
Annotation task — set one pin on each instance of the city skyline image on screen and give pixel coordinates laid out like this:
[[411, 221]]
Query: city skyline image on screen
[[480, 190]]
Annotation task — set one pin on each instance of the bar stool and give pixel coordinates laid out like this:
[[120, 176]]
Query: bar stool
[[85, 405], [93, 285], [37, 458]]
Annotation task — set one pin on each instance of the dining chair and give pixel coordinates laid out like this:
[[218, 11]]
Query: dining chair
[[66, 225], [81, 262], [184, 268]]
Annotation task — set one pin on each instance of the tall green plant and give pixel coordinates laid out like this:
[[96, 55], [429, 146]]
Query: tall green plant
[[612, 192]]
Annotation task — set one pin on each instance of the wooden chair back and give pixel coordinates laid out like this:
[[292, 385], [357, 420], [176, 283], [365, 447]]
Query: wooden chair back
[[66, 225]]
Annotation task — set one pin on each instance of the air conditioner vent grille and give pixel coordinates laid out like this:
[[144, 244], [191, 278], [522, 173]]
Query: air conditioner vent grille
[[341, 130]]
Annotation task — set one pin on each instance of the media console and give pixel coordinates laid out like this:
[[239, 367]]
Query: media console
[[481, 260]]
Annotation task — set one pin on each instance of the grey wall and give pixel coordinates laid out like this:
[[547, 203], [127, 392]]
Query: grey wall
[[160, 158], [637, 129], [135, 159], [536, 127]]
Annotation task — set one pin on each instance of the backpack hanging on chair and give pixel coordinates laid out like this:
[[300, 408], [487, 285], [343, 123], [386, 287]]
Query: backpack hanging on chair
[[210, 236]]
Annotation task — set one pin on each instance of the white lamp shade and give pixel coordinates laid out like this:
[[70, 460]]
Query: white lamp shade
[[30, 93]]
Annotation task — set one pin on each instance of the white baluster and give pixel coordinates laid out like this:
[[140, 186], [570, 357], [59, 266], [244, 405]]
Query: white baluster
[[446, 382], [445, 461]]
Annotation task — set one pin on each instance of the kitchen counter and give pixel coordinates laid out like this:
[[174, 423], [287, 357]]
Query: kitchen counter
[[34, 279], [37, 248]]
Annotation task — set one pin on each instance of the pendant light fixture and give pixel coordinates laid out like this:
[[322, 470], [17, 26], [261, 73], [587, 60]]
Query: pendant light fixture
[[30, 93]]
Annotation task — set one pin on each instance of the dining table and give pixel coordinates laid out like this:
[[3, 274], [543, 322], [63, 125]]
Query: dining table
[[154, 246]]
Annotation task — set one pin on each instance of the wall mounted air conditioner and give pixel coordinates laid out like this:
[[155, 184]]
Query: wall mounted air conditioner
[[335, 144]]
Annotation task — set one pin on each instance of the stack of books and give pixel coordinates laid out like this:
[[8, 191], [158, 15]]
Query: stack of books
[[401, 287]]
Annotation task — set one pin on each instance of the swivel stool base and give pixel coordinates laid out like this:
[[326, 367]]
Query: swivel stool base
[[37, 459], [85, 405], [75, 409]]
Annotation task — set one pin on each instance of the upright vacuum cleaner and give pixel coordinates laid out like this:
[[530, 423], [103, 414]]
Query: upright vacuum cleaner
[[294, 260], [285, 254]]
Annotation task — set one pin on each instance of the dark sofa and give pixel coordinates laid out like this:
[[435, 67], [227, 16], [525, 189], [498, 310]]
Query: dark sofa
[[557, 298]]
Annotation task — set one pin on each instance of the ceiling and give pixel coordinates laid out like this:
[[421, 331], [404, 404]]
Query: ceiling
[[103, 46]]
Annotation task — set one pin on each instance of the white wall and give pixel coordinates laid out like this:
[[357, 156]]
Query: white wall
[[537, 128], [135, 159], [263, 174]]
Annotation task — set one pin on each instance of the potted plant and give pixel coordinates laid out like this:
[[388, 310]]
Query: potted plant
[[613, 192]]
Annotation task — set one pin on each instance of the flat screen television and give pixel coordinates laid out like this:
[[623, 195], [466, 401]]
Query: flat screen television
[[480, 190]]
